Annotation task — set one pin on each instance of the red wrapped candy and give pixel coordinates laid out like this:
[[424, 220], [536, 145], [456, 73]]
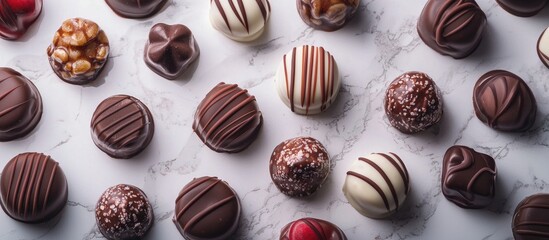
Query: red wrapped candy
[[16, 16]]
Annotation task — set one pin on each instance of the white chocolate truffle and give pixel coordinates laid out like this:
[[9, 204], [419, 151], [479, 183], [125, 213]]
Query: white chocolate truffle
[[543, 47], [376, 186], [240, 20], [308, 80]]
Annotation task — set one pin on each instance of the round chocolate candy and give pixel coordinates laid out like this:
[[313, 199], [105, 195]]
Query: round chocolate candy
[[228, 119], [33, 188], [171, 49], [377, 185], [452, 27], [16, 16], [207, 208], [543, 47], [327, 15], [311, 229], [79, 51], [504, 102], [122, 126], [531, 218], [242, 21], [20, 105], [413, 102], [522, 8], [123, 212], [308, 80], [299, 166], [135, 8]]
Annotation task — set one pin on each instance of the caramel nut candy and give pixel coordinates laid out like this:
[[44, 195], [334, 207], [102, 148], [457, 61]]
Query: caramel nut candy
[[327, 15]]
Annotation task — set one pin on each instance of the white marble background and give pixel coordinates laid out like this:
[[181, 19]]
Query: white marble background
[[379, 44]]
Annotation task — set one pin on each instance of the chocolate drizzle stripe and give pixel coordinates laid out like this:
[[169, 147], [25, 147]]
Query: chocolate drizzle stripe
[[506, 104], [532, 233], [311, 88], [99, 117], [446, 15], [286, 77], [118, 123], [534, 205], [228, 114], [10, 109], [263, 9], [9, 91], [50, 184], [196, 198], [332, 69], [10, 183], [477, 175], [34, 170], [461, 26], [315, 73], [322, 76], [529, 223], [235, 11], [385, 177], [319, 235], [223, 14], [18, 183], [122, 126], [304, 77], [38, 186], [127, 135], [24, 186], [399, 167], [191, 187], [207, 211], [292, 82], [244, 15], [374, 185], [223, 92], [230, 130]]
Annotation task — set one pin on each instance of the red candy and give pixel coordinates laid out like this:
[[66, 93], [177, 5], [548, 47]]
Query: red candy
[[16, 16], [311, 229]]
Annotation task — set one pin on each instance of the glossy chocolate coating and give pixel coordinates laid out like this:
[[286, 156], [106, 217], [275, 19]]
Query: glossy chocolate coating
[[228, 119], [522, 8], [327, 15], [16, 16], [504, 102], [207, 208], [242, 20], [20, 105], [123, 212], [452, 27], [543, 47], [311, 229], [122, 126], [33, 188], [299, 166], [413, 102], [531, 218], [135, 8], [171, 49], [468, 177]]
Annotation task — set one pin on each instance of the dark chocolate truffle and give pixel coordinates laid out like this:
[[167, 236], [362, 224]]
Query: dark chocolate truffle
[[299, 166], [468, 177], [20, 105], [228, 119], [327, 15], [171, 49], [79, 51], [33, 188], [531, 219], [504, 102], [123, 212], [122, 126], [16, 16], [311, 229], [452, 27], [413, 102], [543, 47], [522, 8], [207, 208], [135, 8]]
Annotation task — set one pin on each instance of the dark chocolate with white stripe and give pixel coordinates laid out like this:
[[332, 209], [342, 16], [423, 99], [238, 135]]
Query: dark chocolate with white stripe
[[122, 126], [207, 208], [240, 20], [33, 188], [531, 218], [228, 119], [299, 166], [135, 8], [522, 8], [20, 105], [327, 15], [311, 229], [468, 177]]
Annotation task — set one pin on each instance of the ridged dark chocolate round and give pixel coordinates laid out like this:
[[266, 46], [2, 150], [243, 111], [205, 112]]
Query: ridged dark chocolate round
[[452, 27], [123, 212], [327, 15], [299, 166], [207, 208], [33, 188], [122, 126], [135, 8], [20, 105], [228, 119], [311, 229], [531, 218], [504, 102], [522, 8]]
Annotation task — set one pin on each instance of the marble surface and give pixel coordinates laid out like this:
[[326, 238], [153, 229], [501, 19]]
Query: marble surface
[[378, 45]]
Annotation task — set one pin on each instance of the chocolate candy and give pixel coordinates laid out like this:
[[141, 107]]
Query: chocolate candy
[[543, 47], [413, 102], [240, 20], [171, 49], [33, 188], [377, 185], [327, 15], [79, 51], [228, 119], [207, 208], [468, 177], [16, 16], [311, 229], [123, 212], [135, 8], [452, 27], [20, 105], [299, 166], [308, 80], [531, 218], [122, 126], [504, 102], [522, 8]]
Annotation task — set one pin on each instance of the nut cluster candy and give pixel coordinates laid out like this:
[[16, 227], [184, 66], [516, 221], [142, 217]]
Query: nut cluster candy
[[79, 51], [327, 15], [16, 16]]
